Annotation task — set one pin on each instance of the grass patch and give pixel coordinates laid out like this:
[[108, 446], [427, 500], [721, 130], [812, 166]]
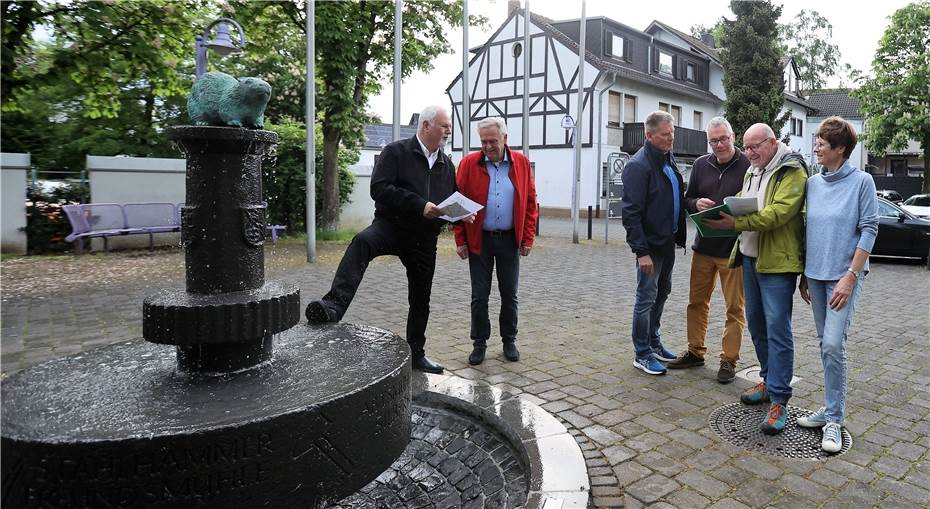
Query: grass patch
[[322, 235]]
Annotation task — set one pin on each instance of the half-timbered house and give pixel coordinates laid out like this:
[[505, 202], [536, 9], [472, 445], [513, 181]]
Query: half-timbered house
[[628, 74]]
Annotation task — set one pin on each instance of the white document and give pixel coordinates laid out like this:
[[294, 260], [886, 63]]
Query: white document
[[457, 207], [741, 206]]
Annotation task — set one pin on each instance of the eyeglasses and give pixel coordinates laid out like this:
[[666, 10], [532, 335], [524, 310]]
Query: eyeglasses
[[719, 141], [755, 147]]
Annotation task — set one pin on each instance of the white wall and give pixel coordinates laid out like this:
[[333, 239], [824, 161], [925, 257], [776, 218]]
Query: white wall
[[358, 213], [136, 180], [801, 144], [13, 168]]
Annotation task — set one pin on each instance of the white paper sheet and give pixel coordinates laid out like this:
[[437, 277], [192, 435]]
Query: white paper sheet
[[741, 206], [458, 207]]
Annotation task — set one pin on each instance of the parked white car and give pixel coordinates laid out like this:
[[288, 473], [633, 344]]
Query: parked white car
[[919, 205]]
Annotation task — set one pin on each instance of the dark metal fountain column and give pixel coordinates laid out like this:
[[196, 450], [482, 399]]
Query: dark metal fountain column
[[132, 425], [226, 318]]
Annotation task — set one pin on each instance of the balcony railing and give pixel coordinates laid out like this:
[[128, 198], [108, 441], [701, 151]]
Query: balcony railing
[[688, 142]]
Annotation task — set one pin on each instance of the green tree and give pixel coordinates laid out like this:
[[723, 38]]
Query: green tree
[[752, 59], [895, 101], [355, 56], [105, 77], [807, 40], [99, 47], [284, 177]]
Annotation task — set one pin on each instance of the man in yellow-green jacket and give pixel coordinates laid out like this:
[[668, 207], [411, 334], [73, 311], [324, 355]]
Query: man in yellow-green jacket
[[771, 252]]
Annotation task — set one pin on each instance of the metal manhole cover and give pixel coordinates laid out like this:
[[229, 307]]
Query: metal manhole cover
[[739, 425]]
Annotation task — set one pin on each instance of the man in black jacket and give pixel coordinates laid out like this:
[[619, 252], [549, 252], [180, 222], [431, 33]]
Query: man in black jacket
[[409, 179], [714, 177], [654, 218]]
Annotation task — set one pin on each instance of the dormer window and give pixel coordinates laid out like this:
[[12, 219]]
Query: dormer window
[[665, 63], [690, 73], [617, 46]]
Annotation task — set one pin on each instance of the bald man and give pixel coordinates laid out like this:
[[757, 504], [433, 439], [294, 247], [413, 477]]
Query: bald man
[[771, 252]]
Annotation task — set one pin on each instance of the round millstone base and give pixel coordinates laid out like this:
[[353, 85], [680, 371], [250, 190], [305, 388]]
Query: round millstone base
[[120, 426]]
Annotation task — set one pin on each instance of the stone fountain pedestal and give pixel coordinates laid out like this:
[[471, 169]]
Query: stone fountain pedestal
[[227, 404]]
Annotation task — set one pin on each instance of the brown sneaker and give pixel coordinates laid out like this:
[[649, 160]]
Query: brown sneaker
[[727, 372], [685, 360]]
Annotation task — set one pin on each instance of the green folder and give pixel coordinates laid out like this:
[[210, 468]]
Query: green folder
[[712, 213]]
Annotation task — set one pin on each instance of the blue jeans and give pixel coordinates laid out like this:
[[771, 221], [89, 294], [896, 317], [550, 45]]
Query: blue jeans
[[502, 249], [832, 325], [768, 314], [651, 293]]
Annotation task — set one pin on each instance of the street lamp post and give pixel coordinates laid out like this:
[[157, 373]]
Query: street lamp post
[[222, 44]]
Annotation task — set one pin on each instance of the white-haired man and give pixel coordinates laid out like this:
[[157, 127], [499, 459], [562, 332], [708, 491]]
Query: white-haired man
[[714, 177], [500, 179], [409, 179]]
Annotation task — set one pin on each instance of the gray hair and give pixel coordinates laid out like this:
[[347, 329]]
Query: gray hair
[[429, 113], [718, 122], [658, 117], [497, 122]]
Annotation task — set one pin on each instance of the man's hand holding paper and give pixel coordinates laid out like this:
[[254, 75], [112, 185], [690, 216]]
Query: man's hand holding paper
[[459, 208]]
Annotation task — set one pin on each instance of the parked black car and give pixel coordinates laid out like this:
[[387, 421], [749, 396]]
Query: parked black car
[[901, 233], [890, 195]]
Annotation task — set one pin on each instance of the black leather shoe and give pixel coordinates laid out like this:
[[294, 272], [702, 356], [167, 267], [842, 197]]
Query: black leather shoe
[[511, 352], [477, 355], [424, 364], [316, 313]]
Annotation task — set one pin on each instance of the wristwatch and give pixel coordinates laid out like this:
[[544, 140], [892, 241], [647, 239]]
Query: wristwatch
[[855, 273]]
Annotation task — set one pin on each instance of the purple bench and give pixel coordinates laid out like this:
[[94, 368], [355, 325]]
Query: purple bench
[[105, 220]]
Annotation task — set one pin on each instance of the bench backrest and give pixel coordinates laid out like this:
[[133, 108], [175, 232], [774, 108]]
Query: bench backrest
[[141, 215], [77, 219], [104, 216]]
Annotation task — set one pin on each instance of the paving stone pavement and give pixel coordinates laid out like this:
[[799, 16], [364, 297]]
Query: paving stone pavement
[[646, 439]]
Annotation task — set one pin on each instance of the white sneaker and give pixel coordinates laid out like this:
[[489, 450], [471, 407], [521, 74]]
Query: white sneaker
[[832, 437], [816, 420]]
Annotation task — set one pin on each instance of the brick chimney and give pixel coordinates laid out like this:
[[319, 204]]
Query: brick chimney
[[512, 5]]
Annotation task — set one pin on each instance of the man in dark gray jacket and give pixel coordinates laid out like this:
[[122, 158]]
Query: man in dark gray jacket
[[409, 179], [714, 177], [654, 218]]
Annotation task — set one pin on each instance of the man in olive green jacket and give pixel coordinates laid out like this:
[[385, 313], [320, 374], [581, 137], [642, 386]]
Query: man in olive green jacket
[[771, 252]]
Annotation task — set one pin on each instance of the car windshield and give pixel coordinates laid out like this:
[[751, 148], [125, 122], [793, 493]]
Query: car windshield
[[888, 209], [922, 200]]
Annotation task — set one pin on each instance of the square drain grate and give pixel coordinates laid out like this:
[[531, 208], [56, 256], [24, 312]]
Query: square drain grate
[[739, 425]]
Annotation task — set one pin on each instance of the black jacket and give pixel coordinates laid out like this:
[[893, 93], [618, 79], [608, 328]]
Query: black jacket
[[648, 202], [710, 179], [402, 183]]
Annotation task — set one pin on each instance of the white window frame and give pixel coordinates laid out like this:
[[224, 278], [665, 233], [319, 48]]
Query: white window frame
[[671, 63]]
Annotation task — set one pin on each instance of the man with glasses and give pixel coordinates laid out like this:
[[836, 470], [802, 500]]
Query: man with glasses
[[771, 252], [654, 218], [714, 177], [500, 179]]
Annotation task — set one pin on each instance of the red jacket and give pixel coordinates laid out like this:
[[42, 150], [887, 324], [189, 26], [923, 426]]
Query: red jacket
[[472, 179]]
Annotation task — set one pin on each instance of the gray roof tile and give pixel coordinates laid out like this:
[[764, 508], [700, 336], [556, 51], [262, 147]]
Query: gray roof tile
[[834, 102]]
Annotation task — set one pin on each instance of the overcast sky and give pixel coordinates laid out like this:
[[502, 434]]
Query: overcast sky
[[857, 28]]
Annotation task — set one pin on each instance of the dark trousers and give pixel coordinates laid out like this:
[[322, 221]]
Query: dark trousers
[[499, 247], [416, 250]]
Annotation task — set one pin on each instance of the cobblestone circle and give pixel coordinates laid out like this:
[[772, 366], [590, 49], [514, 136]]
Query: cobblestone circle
[[451, 461]]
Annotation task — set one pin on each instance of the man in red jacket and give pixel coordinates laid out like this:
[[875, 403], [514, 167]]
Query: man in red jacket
[[501, 180]]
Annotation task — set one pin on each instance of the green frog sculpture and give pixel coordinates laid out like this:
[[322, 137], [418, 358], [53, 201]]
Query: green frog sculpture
[[218, 99]]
